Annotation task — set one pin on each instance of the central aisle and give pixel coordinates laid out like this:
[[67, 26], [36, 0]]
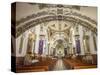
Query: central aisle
[[59, 65]]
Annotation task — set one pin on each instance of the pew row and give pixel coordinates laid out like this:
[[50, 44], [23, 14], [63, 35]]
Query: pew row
[[31, 68], [44, 64], [76, 64]]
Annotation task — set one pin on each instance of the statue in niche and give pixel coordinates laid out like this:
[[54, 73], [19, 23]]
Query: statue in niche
[[29, 56], [29, 47], [31, 40]]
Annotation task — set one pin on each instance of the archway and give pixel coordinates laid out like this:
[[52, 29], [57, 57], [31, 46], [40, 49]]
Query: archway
[[43, 17], [60, 49]]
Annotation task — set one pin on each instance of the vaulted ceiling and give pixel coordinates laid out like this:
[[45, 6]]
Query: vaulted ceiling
[[62, 17], [59, 25]]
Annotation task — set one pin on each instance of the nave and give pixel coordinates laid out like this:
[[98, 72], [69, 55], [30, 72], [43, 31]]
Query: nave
[[64, 38]]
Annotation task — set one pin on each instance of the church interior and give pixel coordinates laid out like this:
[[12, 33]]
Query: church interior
[[52, 37]]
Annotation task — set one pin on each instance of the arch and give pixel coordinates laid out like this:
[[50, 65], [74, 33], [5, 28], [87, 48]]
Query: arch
[[74, 17], [56, 46], [64, 42]]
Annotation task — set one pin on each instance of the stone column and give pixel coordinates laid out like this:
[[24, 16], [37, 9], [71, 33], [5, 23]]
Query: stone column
[[21, 44], [91, 44], [48, 48], [81, 40]]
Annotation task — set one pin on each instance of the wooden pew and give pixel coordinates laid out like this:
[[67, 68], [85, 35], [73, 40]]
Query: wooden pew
[[43, 65], [31, 68], [47, 62], [85, 67], [76, 64]]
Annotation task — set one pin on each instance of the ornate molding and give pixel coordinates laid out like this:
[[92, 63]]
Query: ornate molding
[[35, 22], [54, 12], [33, 16], [84, 17]]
